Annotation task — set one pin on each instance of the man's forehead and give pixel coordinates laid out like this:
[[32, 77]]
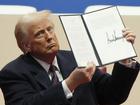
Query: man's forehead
[[41, 21]]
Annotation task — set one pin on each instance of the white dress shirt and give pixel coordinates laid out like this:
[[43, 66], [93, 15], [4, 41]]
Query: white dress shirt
[[46, 66]]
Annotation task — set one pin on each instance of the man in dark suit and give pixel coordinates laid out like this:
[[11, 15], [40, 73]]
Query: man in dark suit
[[30, 79]]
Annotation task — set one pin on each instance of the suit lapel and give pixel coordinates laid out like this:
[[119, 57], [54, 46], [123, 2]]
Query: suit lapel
[[38, 71], [43, 78], [66, 63]]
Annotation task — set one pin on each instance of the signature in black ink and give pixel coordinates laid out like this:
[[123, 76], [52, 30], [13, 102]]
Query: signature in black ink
[[113, 37]]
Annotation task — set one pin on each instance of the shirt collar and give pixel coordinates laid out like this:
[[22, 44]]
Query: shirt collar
[[45, 65]]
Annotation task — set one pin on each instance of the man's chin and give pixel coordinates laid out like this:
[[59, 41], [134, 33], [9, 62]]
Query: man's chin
[[52, 51]]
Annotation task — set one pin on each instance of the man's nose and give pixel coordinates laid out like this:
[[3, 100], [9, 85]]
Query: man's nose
[[48, 36]]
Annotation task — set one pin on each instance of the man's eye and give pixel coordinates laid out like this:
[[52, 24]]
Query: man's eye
[[41, 32], [50, 29]]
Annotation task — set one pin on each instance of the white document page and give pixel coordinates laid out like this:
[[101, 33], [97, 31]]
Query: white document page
[[105, 27], [78, 39]]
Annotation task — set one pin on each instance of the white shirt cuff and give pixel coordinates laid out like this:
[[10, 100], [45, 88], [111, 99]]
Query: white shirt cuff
[[67, 91], [130, 64]]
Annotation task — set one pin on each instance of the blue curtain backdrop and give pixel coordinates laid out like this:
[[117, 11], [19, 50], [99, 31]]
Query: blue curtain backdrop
[[68, 6]]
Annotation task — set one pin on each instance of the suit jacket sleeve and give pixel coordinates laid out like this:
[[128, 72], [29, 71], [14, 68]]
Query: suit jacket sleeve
[[114, 89]]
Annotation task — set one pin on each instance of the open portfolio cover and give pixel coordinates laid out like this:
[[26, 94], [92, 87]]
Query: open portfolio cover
[[97, 36]]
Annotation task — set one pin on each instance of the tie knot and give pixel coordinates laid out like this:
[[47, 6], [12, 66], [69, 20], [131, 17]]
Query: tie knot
[[53, 68]]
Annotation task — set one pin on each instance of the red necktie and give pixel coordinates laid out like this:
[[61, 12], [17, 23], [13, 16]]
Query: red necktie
[[52, 73]]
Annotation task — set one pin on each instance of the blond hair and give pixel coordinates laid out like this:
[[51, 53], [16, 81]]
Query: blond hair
[[21, 28]]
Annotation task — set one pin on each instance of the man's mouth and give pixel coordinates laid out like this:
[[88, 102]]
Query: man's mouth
[[51, 45]]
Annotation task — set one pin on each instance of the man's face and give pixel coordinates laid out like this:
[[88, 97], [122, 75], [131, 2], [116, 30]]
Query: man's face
[[42, 39]]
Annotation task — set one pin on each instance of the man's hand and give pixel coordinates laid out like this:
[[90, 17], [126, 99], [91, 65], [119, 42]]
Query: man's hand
[[80, 76], [130, 36]]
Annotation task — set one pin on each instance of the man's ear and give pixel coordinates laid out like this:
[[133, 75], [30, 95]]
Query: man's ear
[[26, 47]]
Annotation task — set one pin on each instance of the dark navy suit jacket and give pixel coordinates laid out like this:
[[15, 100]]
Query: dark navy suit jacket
[[25, 82]]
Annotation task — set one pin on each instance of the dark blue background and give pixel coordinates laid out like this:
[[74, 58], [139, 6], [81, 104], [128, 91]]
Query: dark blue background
[[68, 6]]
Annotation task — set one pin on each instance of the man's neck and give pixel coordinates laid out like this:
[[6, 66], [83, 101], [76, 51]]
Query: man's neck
[[47, 58]]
